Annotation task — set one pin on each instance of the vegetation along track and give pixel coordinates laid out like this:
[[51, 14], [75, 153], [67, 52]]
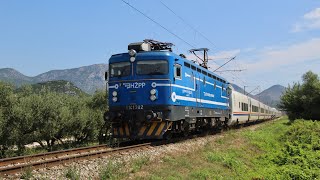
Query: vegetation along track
[[37, 161], [44, 160]]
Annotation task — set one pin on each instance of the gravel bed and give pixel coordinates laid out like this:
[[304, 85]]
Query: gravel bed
[[90, 169]]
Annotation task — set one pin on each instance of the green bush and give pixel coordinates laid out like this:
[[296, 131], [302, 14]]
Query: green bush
[[299, 156]]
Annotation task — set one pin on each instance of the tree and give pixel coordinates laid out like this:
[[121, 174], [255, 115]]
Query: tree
[[7, 101], [99, 104], [302, 100]]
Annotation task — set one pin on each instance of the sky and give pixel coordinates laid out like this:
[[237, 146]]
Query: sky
[[275, 42]]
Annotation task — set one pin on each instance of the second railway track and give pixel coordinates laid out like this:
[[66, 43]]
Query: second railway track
[[18, 164]]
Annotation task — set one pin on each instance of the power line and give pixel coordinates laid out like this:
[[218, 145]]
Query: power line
[[195, 31], [158, 24], [154, 21], [224, 64], [187, 23]]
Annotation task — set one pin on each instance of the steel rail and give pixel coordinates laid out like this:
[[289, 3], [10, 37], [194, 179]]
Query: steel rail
[[41, 160]]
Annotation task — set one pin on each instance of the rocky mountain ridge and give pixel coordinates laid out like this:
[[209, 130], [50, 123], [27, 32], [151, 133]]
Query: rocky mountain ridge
[[88, 78]]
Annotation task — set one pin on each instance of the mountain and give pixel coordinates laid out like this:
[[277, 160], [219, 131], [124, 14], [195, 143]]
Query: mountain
[[14, 77], [241, 90], [271, 96], [87, 78], [59, 86]]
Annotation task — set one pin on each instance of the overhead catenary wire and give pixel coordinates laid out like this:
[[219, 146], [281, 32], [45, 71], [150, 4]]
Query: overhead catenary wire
[[163, 27], [145, 15], [188, 23], [192, 27]]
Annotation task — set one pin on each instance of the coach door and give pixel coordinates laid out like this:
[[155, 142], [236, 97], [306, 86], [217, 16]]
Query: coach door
[[249, 108]]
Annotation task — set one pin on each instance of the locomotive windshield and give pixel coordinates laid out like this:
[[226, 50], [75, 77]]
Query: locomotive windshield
[[153, 67], [119, 69]]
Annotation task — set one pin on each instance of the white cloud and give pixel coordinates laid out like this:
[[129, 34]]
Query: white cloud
[[279, 65], [311, 21], [269, 65], [285, 56], [315, 14]]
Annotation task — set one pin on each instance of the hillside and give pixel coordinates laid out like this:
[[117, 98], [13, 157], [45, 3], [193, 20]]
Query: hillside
[[14, 77], [87, 78], [271, 96], [59, 86]]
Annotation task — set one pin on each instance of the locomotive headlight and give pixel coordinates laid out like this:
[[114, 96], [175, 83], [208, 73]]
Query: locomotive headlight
[[132, 59], [153, 97], [114, 93], [106, 116], [149, 116], [132, 52], [114, 99], [153, 91]]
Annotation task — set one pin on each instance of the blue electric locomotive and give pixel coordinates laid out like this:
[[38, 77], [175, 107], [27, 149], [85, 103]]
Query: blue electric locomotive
[[154, 93]]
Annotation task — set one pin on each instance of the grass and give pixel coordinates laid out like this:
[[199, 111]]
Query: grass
[[72, 173], [27, 173], [275, 150], [112, 171], [138, 163]]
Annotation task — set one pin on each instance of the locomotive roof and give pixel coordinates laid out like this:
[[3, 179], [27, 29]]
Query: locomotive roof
[[124, 56]]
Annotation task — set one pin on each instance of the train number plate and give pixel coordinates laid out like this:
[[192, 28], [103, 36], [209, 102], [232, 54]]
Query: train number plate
[[134, 107]]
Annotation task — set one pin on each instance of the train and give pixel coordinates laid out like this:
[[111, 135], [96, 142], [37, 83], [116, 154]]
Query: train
[[154, 93]]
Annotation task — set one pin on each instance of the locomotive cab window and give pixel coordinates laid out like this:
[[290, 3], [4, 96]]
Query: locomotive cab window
[[119, 69], [177, 71], [152, 67]]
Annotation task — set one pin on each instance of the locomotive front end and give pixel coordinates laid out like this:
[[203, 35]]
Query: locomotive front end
[[138, 96]]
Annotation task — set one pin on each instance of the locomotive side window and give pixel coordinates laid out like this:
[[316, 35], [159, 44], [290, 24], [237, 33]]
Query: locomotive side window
[[152, 67], [177, 71], [214, 77], [193, 67], [186, 64], [204, 73], [120, 69]]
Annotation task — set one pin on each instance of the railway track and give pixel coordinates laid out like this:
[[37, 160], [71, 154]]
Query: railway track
[[18, 164]]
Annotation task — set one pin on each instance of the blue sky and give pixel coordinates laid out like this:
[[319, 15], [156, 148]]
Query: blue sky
[[274, 41]]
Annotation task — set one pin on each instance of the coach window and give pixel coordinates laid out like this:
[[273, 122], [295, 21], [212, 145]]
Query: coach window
[[177, 71]]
